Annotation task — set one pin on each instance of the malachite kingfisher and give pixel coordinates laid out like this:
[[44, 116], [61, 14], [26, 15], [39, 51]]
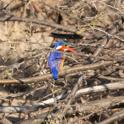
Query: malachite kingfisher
[[56, 58]]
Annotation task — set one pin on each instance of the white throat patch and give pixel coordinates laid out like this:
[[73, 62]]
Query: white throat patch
[[59, 47]]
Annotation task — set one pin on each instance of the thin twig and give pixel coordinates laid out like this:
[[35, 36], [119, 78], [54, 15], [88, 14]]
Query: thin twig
[[71, 96], [110, 78], [108, 34], [100, 48], [115, 117], [97, 105]]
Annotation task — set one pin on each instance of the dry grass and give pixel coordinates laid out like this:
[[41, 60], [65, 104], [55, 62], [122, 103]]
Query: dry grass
[[24, 48]]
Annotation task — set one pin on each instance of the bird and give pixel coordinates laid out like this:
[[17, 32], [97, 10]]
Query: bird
[[56, 57]]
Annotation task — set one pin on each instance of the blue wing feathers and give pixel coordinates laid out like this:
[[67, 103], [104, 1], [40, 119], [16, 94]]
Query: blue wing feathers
[[55, 73], [53, 62]]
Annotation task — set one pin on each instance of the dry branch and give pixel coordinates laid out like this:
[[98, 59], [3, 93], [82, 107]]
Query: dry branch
[[29, 108], [115, 117], [110, 78], [100, 48], [71, 96], [48, 76], [51, 101], [101, 88], [98, 105], [108, 34], [98, 26], [10, 17], [40, 22]]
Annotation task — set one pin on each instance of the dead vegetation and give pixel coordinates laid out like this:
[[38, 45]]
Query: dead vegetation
[[90, 89]]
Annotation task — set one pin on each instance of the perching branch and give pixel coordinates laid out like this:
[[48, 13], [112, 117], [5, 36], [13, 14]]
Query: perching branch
[[48, 76]]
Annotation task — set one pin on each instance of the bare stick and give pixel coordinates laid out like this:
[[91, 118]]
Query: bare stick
[[101, 88], [51, 101], [10, 17], [48, 76], [115, 117], [100, 48], [110, 78], [108, 34], [98, 105], [30, 108], [40, 22], [71, 96]]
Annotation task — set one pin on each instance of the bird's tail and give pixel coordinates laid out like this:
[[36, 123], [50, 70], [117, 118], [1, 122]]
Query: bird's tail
[[54, 73]]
